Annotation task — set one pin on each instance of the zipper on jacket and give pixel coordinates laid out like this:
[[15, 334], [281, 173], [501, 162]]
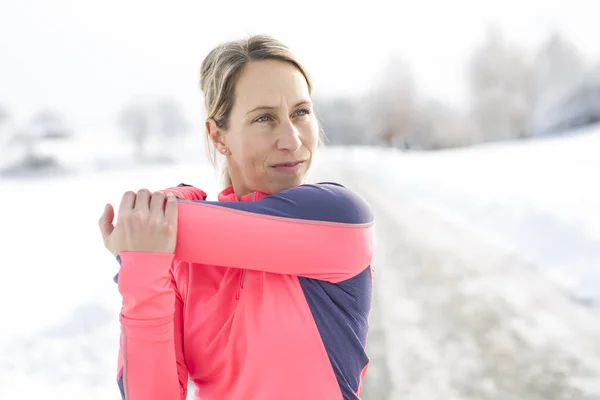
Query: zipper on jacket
[[243, 274]]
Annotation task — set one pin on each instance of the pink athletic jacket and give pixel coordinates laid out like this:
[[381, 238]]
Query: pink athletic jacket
[[266, 298]]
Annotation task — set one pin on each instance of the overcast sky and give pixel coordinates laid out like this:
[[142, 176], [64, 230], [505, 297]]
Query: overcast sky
[[87, 58]]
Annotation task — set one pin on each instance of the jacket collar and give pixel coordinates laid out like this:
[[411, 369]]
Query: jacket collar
[[228, 194]]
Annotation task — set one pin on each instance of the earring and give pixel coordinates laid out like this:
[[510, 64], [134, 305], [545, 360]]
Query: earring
[[224, 151]]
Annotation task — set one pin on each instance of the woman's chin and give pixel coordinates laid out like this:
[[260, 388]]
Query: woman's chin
[[284, 182]]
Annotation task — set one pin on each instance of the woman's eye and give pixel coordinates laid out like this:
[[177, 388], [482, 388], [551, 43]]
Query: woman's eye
[[263, 118], [302, 112]]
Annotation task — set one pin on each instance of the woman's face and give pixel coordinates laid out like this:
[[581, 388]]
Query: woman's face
[[272, 132]]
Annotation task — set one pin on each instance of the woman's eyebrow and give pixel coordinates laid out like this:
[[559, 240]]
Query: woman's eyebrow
[[300, 103]]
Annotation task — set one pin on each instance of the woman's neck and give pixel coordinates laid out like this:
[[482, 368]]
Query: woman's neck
[[240, 190]]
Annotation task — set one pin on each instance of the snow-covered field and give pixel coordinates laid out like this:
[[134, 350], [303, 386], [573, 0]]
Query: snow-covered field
[[59, 304]]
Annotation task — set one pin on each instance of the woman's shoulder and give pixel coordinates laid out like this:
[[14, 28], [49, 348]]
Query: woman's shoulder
[[330, 201]]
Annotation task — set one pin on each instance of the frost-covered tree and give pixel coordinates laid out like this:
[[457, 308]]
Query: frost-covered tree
[[170, 119], [144, 122], [26, 141], [501, 89], [560, 70], [440, 126], [393, 103], [339, 120], [559, 65], [46, 125], [50, 125], [134, 121]]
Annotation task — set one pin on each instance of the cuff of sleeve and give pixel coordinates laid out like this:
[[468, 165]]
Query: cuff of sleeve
[[186, 192], [144, 273]]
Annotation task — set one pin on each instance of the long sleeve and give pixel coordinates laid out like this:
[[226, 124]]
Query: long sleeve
[[151, 365], [321, 231]]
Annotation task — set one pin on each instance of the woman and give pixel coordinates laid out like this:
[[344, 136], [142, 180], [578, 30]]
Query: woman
[[264, 294]]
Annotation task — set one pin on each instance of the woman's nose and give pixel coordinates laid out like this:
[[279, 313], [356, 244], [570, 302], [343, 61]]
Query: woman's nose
[[289, 137]]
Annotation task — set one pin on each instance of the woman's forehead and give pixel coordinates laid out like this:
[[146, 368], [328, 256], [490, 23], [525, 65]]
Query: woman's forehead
[[271, 84]]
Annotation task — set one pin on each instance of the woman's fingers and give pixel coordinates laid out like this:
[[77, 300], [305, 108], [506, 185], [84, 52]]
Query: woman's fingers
[[142, 200], [127, 203], [145, 223], [157, 205], [106, 221], [171, 210]]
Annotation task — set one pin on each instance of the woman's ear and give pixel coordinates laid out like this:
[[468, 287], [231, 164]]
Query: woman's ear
[[216, 135]]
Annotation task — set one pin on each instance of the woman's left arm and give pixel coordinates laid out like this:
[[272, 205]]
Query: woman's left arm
[[322, 231]]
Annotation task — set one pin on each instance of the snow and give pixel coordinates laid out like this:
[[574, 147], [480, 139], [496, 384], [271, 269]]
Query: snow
[[60, 305], [539, 198], [60, 331], [459, 316]]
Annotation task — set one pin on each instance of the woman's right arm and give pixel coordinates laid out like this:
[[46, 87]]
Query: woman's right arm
[[151, 364], [143, 240], [320, 231]]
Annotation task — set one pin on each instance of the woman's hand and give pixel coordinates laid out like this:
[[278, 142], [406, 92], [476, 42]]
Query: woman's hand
[[147, 222]]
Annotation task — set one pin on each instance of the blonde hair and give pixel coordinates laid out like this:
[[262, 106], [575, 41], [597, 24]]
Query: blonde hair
[[219, 73]]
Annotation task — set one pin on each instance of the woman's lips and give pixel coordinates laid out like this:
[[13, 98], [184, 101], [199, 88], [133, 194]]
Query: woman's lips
[[293, 166]]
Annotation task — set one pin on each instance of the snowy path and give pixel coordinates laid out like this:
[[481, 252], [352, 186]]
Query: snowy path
[[457, 318]]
